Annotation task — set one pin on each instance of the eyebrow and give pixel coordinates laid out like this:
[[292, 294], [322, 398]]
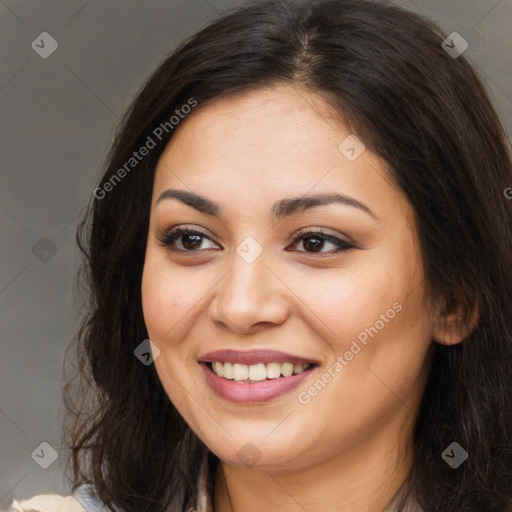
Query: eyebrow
[[281, 209]]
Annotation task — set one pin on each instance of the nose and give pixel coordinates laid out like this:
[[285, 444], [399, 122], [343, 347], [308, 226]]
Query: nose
[[249, 298]]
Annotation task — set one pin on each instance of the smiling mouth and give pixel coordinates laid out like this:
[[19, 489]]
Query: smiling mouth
[[257, 372]]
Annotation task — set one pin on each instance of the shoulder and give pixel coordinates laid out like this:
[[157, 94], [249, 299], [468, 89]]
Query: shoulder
[[83, 499]]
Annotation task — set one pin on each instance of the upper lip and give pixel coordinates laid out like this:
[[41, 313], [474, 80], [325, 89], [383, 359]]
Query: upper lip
[[253, 357]]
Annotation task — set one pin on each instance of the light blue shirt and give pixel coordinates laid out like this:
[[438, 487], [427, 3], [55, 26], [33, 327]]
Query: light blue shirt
[[86, 495]]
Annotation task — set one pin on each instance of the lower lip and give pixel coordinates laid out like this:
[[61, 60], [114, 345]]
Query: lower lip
[[244, 392]]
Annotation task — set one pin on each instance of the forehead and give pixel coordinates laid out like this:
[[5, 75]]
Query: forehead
[[269, 120], [268, 144]]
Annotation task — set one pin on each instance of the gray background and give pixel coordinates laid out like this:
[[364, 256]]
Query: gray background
[[58, 117]]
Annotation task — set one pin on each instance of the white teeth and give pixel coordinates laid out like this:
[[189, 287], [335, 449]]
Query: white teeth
[[240, 371], [287, 369], [257, 372], [273, 370], [228, 370], [218, 368], [298, 368]]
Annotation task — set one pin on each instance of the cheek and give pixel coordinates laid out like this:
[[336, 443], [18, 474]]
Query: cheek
[[372, 308], [368, 297], [341, 305], [163, 302], [168, 310], [156, 305], [383, 344]]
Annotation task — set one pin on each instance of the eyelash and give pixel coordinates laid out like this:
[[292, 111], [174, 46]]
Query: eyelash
[[166, 239]]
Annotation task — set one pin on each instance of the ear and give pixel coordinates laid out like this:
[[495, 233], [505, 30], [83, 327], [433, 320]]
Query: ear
[[451, 328]]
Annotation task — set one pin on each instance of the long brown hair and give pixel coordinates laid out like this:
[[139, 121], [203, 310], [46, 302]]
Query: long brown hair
[[384, 71]]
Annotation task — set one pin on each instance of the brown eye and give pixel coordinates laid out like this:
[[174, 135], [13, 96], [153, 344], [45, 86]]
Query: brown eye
[[191, 242], [314, 242], [191, 239]]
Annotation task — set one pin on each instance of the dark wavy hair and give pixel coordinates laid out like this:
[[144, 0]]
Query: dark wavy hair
[[385, 74]]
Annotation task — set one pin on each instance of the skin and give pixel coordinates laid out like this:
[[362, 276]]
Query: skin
[[349, 447]]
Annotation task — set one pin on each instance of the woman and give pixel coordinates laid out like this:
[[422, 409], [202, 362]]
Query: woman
[[304, 211]]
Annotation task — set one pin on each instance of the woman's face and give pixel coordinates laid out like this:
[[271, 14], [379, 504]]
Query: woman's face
[[351, 305]]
